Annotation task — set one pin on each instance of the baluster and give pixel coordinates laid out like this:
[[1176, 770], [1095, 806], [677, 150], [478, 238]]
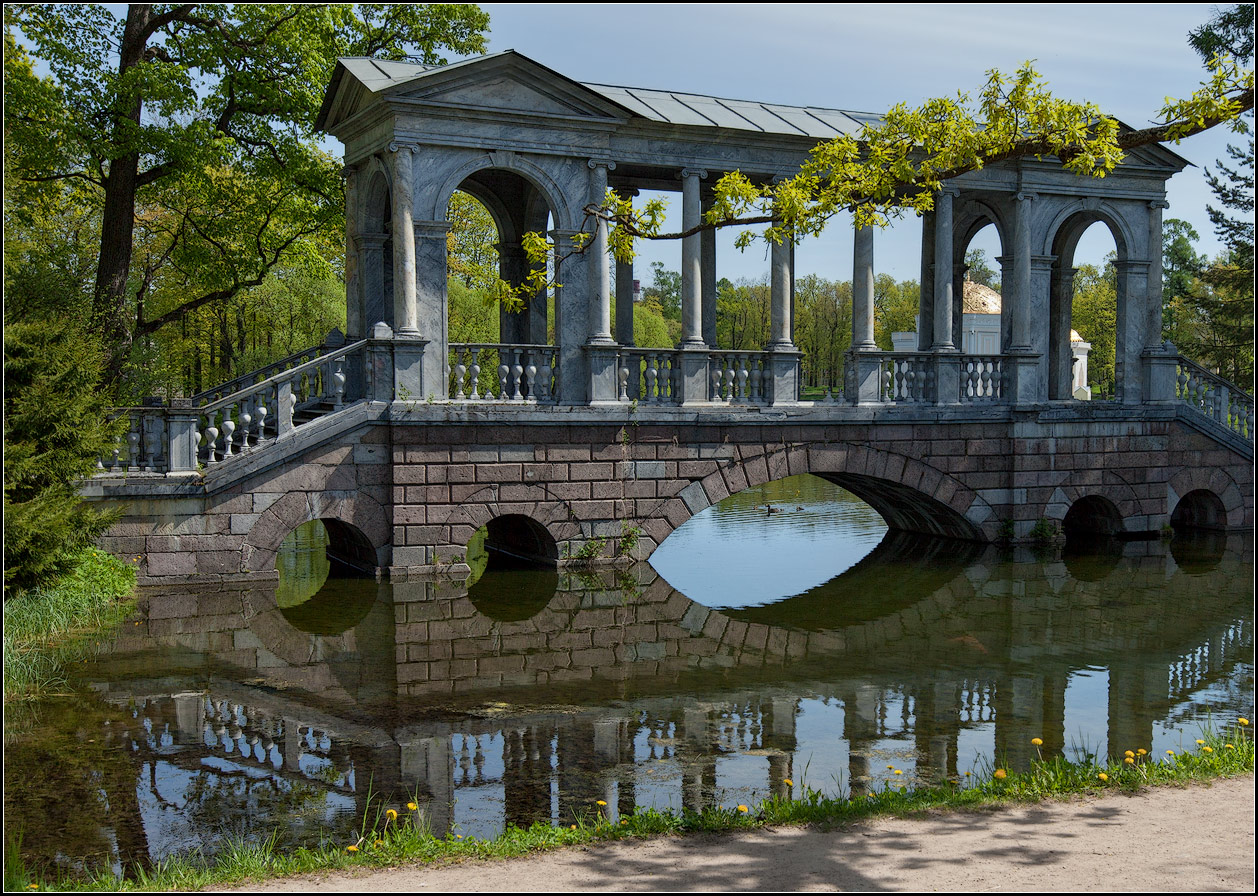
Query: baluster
[[622, 393], [516, 370], [503, 370], [211, 439], [1181, 383], [543, 375], [730, 376], [530, 374], [229, 430], [260, 414], [292, 407], [475, 383], [459, 370], [246, 424], [652, 375], [744, 371], [338, 384], [716, 380]]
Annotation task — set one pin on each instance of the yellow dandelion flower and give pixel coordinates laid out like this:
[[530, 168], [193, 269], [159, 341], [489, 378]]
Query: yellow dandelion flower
[[742, 808], [458, 836], [1130, 760], [600, 803], [890, 767], [1037, 742], [1103, 776], [788, 782], [998, 774], [624, 821], [1142, 751], [391, 814], [967, 774], [1242, 722], [379, 843], [1200, 741], [1229, 746], [1129, 754], [1208, 749], [351, 849], [898, 772], [573, 828], [412, 806]]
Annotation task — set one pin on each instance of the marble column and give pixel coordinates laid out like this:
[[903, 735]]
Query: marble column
[[1060, 354], [1133, 291], [926, 291], [707, 286], [863, 291], [354, 325], [600, 288], [572, 314], [781, 281], [624, 302], [691, 260], [375, 298], [1023, 362], [942, 339], [1160, 357], [405, 311], [429, 239]]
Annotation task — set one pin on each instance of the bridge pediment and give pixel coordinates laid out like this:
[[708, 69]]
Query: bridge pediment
[[506, 84]]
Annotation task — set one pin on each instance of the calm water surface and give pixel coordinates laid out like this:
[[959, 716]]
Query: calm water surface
[[803, 643]]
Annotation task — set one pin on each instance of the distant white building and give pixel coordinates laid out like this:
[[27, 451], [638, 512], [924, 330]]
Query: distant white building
[[980, 335]]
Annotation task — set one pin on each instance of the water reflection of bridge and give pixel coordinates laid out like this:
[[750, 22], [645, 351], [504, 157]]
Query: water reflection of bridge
[[639, 696]]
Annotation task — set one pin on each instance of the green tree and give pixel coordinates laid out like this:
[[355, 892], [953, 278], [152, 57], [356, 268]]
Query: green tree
[[56, 428], [207, 111], [472, 242], [979, 271], [895, 308], [1181, 266], [1225, 295], [664, 291], [1094, 315]]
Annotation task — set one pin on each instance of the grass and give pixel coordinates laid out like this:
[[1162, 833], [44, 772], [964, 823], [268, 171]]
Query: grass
[[46, 628], [394, 835]]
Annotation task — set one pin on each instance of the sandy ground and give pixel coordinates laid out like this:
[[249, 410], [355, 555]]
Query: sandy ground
[[1198, 838]]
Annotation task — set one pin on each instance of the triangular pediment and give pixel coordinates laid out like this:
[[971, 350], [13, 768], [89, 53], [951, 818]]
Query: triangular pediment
[[503, 83]]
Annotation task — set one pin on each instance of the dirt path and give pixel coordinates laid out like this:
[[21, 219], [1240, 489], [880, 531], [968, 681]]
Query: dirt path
[[1198, 838]]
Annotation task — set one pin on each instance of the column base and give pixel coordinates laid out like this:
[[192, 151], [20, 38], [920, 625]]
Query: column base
[[784, 367], [695, 385], [1022, 376], [1161, 372], [866, 386]]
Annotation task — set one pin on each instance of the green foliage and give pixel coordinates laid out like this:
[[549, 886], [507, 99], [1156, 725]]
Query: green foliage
[[47, 626], [979, 271], [895, 308], [664, 292], [56, 428], [189, 132], [474, 315], [823, 328], [650, 329], [1094, 315], [1181, 266]]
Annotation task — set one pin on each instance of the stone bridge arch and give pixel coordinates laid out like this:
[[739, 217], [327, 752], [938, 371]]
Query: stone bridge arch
[[357, 524], [452, 532], [1133, 514], [1214, 481], [910, 494]]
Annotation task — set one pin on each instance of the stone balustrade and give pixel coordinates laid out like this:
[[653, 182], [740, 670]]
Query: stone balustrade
[[182, 436], [1216, 398], [650, 375], [500, 371]]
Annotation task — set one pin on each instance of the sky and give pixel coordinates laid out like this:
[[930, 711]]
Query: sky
[[1126, 59]]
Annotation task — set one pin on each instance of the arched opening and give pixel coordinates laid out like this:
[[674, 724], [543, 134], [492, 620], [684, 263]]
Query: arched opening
[[312, 558], [1085, 298], [490, 324], [512, 541], [376, 255], [979, 328], [1199, 509], [1091, 517]]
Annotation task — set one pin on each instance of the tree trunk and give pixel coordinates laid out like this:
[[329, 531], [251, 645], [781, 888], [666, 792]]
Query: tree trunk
[[109, 306]]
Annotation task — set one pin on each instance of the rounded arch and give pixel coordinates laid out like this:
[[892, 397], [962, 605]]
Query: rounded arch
[[1092, 515], [540, 179], [910, 495], [538, 517], [1067, 225], [359, 530], [1217, 482], [1107, 487], [375, 207], [1199, 509]]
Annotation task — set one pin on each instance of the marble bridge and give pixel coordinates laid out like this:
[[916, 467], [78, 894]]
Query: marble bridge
[[568, 442]]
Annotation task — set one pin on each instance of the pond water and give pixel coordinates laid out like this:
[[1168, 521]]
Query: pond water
[[767, 650]]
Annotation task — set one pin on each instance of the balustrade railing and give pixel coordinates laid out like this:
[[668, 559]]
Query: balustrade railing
[[649, 375], [982, 379], [334, 343], [740, 377], [182, 436], [908, 378], [499, 371], [1216, 398]]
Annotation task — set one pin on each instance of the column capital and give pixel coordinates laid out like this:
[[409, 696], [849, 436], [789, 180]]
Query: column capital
[[348, 171], [602, 163], [700, 173], [1025, 196], [431, 229], [1159, 203], [370, 240], [949, 190], [1135, 265], [394, 146]]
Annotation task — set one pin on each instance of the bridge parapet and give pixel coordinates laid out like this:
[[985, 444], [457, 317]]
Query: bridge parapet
[[1216, 398]]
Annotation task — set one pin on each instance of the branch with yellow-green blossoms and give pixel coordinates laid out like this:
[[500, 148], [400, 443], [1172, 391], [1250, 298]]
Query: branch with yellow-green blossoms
[[898, 164]]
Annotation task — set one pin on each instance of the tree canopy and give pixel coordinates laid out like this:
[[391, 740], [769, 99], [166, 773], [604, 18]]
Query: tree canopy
[[190, 128]]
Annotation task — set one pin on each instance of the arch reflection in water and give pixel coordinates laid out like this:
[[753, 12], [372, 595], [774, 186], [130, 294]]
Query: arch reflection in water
[[769, 542], [320, 587]]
